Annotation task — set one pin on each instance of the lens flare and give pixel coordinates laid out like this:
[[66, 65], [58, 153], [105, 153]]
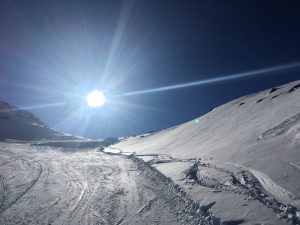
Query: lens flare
[[216, 79]]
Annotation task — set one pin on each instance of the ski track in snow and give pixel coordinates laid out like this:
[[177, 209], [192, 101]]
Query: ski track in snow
[[39, 186], [267, 183], [292, 164], [238, 179]]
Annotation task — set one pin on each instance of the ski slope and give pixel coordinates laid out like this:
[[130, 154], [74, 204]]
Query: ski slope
[[240, 164], [243, 154], [51, 185]]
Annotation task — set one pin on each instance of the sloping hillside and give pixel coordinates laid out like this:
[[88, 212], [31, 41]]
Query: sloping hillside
[[22, 125], [245, 149]]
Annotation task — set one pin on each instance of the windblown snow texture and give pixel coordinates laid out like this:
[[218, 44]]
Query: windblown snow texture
[[242, 158]]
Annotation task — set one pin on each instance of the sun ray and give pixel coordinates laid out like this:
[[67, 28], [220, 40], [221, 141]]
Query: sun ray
[[216, 79], [49, 105]]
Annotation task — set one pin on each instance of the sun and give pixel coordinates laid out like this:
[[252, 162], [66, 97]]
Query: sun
[[95, 99]]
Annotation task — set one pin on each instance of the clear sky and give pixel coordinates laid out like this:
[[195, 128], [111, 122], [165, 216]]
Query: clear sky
[[53, 53]]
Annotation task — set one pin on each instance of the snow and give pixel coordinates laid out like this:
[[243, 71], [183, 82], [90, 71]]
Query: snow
[[51, 178], [48, 185], [22, 125], [238, 164], [255, 136]]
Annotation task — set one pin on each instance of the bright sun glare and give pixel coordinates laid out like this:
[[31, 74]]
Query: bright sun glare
[[95, 99]]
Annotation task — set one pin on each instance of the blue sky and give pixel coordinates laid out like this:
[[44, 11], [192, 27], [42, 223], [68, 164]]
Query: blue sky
[[53, 53]]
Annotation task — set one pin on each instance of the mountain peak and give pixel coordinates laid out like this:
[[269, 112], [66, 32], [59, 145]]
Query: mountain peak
[[20, 124]]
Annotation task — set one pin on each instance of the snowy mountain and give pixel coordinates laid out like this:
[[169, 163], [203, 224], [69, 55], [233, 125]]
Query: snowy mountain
[[238, 164], [242, 159], [22, 125]]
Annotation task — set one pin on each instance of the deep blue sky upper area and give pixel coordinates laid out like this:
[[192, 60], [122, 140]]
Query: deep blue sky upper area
[[52, 53]]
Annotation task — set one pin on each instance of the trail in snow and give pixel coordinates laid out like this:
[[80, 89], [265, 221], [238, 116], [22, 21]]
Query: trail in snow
[[231, 178], [47, 185]]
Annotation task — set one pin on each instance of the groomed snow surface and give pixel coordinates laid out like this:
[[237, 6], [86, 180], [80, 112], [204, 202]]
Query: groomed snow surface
[[239, 164], [52, 185]]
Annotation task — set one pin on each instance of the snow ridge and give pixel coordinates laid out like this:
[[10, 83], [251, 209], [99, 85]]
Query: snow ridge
[[190, 211]]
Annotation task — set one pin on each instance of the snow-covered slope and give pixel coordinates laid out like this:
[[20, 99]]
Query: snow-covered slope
[[250, 142], [22, 125], [239, 164]]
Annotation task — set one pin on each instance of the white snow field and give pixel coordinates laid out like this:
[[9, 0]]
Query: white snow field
[[240, 164], [241, 160], [51, 185], [51, 178]]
